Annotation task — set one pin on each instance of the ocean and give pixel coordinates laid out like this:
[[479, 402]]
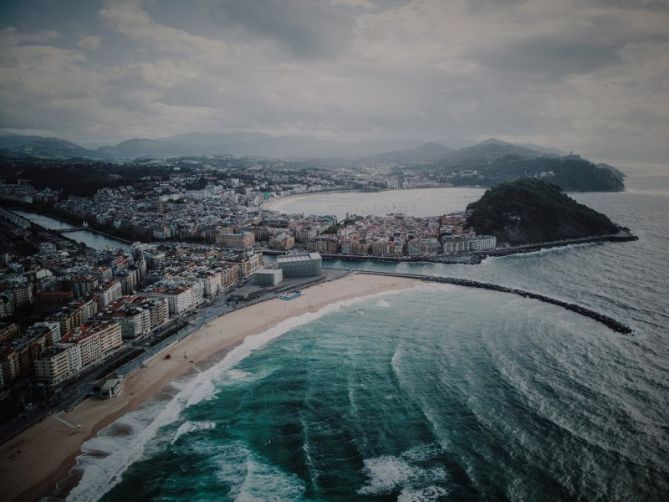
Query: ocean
[[434, 393]]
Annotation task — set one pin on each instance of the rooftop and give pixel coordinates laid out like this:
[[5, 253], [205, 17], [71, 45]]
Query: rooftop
[[288, 258]]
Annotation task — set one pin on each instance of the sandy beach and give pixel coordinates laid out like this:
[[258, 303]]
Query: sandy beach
[[37, 459]]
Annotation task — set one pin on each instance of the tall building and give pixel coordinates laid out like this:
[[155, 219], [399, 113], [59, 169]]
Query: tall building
[[58, 363]]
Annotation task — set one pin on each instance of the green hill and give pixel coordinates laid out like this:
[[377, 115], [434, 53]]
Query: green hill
[[530, 210]]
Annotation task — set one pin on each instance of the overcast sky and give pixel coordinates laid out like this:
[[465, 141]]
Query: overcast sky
[[590, 76]]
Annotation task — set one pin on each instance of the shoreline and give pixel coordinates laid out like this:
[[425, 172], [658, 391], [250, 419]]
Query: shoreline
[[278, 200], [42, 456], [477, 257]]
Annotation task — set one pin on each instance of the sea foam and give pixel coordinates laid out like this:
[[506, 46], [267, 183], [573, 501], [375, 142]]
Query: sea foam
[[114, 454]]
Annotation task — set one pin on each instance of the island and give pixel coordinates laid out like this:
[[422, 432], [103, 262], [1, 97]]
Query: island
[[530, 210]]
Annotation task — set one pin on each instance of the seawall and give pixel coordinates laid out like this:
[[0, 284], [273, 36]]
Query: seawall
[[611, 323]]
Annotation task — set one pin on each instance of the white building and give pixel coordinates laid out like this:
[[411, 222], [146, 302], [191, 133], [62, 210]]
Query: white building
[[267, 276], [456, 244], [300, 265], [58, 363], [179, 298]]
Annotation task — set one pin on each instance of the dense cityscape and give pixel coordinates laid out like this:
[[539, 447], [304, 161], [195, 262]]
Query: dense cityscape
[[68, 311]]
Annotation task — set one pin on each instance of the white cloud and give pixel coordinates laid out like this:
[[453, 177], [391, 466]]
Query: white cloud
[[128, 17], [89, 43]]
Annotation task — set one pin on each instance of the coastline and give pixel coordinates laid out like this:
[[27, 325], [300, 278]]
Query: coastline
[[36, 460]]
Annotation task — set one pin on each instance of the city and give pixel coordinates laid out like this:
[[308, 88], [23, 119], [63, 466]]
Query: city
[[69, 311]]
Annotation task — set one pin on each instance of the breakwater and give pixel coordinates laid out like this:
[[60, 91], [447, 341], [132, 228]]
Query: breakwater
[[579, 309], [623, 235]]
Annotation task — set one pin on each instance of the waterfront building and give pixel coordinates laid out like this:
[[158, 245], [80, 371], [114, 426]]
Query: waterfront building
[[96, 340], [248, 262], [328, 244], [230, 275], [212, 282], [179, 298], [267, 276], [58, 363], [456, 244], [300, 264], [134, 321], [111, 387], [154, 313]]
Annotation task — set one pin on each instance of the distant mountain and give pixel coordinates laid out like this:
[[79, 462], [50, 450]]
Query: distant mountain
[[530, 210], [615, 171], [427, 152], [42, 147], [493, 161], [484, 164], [10, 141], [545, 149], [247, 144], [149, 148], [490, 150]]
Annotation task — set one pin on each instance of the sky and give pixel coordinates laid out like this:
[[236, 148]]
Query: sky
[[589, 76]]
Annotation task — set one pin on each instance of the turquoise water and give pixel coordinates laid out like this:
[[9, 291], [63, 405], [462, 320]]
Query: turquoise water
[[436, 393], [429, 393]]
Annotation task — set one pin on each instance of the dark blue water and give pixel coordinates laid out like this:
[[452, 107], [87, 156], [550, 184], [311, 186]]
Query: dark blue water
[[436, 393]]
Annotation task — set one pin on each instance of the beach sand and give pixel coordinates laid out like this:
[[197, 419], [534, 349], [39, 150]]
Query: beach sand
[[33, 462]]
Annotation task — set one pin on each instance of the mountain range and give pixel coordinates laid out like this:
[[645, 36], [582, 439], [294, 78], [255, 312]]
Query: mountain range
[[484, 164], [265, 145], [200, 144]]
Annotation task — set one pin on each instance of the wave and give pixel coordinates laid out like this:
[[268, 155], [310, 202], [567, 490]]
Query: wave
[[388, 474], [251, 478], [187, 427], [100, 473]]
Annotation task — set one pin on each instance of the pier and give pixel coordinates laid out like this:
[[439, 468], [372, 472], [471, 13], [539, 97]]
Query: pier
[[607, 321]]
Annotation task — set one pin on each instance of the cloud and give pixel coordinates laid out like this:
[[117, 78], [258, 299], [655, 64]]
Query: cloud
[[11, 36], [89, 43], [584, 76], [308, 29], [553, 55], [128, 18]]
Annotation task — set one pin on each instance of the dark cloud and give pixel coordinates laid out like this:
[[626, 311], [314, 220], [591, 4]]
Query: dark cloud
[[482, 6], [553, 55], [576, 74], [632, 4], [308, 29]]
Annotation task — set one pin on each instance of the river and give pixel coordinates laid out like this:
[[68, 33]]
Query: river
[[91, 239]]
